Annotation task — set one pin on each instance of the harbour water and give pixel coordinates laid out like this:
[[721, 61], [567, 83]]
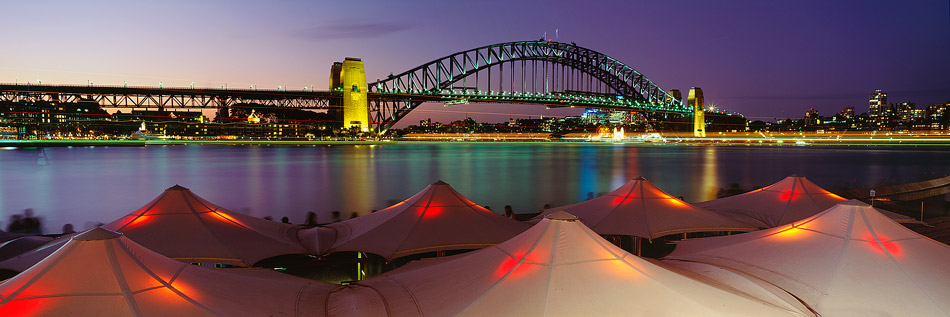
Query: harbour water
[[88, 185]]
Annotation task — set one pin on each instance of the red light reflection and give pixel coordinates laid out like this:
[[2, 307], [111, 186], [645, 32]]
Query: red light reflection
[[24, 307], [788, 195], [889, 246], [432, 211]]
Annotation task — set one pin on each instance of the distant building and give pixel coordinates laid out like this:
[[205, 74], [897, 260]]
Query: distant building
[[937, 115], [811, 117], [847, 113], [877, 104], [905, 111]]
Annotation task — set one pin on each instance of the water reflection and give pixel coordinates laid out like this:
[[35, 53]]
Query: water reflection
[[84, 185], [710, 180]]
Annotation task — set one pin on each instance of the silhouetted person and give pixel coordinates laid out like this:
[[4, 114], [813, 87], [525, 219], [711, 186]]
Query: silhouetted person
[[285, 219], [311, 220], [354, 215], [68, 228], [335, 216], [30, 223], [590, 195], [16, 224], [510, 213]]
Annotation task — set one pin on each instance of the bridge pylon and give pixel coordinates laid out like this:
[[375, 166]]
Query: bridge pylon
[[699, 118], [350, 77]]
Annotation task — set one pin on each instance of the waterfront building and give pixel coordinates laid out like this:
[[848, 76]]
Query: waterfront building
[[877, 108]]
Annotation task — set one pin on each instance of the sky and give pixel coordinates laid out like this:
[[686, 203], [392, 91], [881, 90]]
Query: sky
[[764, 59]]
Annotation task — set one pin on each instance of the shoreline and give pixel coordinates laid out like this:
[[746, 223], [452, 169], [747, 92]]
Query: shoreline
[[714, 141]]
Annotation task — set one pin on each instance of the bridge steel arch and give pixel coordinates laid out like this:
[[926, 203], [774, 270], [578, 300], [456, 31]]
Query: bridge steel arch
[[586, 78]]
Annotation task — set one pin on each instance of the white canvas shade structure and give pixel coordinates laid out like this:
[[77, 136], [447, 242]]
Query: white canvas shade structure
[[849, 260], [102, 273], [791, 199], [27, 259], [640, 209], [559, 267], [436, 219], [185, 227]]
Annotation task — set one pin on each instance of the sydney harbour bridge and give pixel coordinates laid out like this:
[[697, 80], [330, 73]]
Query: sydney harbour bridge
[[552, 74]]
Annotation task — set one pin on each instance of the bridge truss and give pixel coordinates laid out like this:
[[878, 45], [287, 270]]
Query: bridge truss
[[169, 98], [534, 72]]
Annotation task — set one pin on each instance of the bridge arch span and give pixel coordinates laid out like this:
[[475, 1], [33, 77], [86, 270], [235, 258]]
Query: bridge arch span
[[540, 72]]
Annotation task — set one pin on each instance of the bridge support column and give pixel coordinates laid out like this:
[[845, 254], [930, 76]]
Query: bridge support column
[[352, 81], [699, 117]]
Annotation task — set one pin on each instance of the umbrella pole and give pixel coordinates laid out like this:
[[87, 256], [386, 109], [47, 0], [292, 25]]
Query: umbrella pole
[[359, 266], [639, 244]]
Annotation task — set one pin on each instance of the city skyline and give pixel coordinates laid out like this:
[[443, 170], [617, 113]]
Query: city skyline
[[764, 60]]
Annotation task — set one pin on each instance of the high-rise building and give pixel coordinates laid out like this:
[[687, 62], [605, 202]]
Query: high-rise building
[[878, 103]]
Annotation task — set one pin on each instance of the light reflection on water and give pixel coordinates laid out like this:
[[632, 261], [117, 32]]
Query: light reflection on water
[[83, 185]]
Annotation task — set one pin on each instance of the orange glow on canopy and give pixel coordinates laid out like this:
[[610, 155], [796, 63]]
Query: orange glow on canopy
[[620, 269], [676, 202], [138, 221], [790, 233], [185, 289], [225, 217]]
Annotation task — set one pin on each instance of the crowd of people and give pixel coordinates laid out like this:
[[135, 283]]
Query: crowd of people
[[25, 223]]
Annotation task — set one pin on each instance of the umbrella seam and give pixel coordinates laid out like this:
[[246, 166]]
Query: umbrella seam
[[167, 284], [120, 278], [213, 234], [418, 219], [551, 265]]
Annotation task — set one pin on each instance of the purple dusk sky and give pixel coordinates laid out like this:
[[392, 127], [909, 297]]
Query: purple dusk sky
[[764, 59]]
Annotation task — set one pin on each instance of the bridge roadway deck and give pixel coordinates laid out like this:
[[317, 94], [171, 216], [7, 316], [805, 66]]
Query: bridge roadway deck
[[10, 91]]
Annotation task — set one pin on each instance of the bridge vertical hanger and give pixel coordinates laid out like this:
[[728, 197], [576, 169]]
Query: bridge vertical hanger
[[699, 119]]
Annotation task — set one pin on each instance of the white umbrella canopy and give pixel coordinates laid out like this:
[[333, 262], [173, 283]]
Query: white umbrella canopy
[[27, 259], [436, 219], [101, 273], [640, 209], [847, 260], [559, 267], [791, 199], [185, 227]]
